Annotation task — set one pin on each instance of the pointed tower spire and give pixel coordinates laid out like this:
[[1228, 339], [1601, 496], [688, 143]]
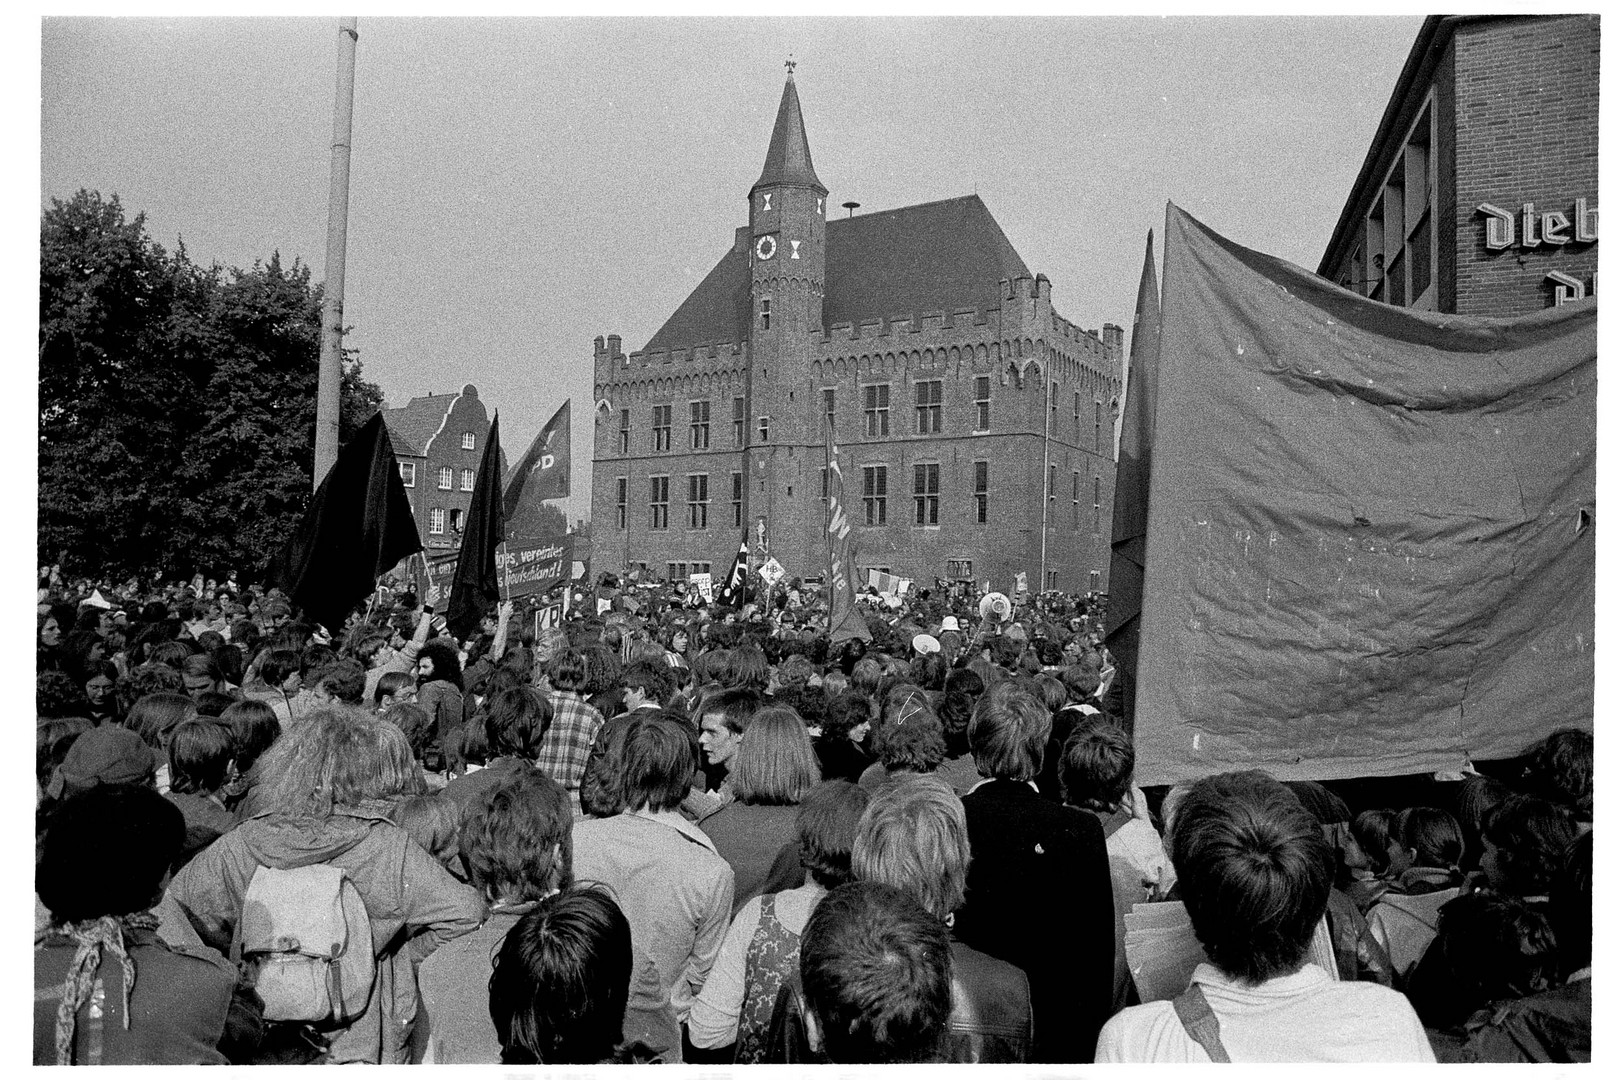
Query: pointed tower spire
[[788, 159]]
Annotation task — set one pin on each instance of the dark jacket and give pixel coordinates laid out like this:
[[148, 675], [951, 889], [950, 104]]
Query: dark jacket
[[413, 903], [1555, 1026], [1040, 897], [178, 1005], [990, 1016]]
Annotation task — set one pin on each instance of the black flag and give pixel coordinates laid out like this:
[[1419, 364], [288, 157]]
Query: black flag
[[733, 592], [357, 527], [476, 586], [1135, 470]]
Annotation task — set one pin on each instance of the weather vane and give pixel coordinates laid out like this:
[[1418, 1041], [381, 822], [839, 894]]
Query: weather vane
[[791, 63]]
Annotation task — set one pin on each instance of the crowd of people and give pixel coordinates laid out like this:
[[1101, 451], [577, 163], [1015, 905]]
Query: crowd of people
[[662, 833]]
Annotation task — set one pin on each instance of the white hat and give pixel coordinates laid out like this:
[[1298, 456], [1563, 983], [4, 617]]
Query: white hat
[[925, 643], [949, 623], [98, 601]]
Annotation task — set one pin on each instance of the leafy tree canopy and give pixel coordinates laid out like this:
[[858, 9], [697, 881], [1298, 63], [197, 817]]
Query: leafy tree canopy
[[177, 402]]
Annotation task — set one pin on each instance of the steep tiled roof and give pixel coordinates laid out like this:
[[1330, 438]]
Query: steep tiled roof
[[788, 159], [717, 310], [937, 256], [411, 426]]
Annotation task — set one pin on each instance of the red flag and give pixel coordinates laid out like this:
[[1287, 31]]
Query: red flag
[[541, 474]]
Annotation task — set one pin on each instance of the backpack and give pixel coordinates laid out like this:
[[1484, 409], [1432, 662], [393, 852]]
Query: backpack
[[306, 938]]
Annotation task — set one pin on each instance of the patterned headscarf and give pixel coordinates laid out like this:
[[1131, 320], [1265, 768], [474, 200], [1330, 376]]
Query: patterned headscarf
[[94, 940]]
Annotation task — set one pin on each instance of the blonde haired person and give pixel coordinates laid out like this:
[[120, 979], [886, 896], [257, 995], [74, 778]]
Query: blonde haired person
[[328, 787]]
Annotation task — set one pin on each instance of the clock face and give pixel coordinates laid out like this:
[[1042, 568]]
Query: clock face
[[765, 247]]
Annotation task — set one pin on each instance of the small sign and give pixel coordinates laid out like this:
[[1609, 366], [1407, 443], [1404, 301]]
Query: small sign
[[705, 586], [772, 571]]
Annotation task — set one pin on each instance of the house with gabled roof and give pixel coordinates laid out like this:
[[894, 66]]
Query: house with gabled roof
[[975, 424], [439, 440]]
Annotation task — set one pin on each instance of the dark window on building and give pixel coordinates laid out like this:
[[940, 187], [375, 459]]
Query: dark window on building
[[739, 420], [981, 403], [623, 502], [736, 499], [876, 401], [1096, 426], [455, 520], [925, 492], [1076, 500], [764, 429], [829, 406], [930, 398], [624, 431], [875, 493], [1421, 267], [700, 425], [1096, 504], [697, 500], [981, 489], [658, 499], [765, 313], [660, 428]]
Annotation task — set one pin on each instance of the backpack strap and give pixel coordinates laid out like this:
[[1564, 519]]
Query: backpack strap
[[1204, 1028]]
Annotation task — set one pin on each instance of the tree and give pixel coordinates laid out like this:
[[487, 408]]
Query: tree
[[176, 402], [116, 401]]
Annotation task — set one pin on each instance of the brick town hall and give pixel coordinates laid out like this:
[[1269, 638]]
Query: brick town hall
[[956, 393]]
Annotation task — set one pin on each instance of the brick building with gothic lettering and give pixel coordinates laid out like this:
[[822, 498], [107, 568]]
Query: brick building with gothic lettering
[[956, 393], [1479, 193]]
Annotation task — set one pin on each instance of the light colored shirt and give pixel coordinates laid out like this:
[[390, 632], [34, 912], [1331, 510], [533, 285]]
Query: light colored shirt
[[713, 1020], [673, 887], [1304, 1017]]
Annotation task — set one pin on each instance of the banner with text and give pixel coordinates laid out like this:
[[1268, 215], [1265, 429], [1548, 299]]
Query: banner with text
[[526, 567]]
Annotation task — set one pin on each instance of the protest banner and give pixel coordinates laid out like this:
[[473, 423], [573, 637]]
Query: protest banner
[[526, 567]]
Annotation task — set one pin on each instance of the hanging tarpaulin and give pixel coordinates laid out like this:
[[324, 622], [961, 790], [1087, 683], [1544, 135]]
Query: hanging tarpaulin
[[1370, 535]]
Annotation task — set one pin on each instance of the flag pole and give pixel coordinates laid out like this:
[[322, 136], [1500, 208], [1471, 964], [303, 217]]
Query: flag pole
[[327, 394]]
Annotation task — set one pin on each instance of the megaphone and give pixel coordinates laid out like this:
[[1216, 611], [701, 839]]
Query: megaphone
[[995, 606]]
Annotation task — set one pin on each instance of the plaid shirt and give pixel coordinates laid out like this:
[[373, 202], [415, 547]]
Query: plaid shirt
[[567, 743]]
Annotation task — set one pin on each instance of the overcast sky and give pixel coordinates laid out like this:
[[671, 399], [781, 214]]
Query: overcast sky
[[521, 186]]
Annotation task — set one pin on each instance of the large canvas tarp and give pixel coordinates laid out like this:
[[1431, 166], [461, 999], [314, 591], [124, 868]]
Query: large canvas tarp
[[1371, 530]]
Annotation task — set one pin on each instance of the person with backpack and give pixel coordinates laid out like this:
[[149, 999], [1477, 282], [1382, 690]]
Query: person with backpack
[[326, 901]]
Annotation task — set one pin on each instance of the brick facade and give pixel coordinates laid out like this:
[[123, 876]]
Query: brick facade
[[1506, 109], [929, 302], [428, 434]]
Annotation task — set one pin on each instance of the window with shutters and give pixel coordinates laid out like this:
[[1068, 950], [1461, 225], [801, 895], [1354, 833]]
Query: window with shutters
[[661, 428], [700, 425], [925, 493], [930, 406], [876, 407], [697, 500], [875, 493], [658, 501]]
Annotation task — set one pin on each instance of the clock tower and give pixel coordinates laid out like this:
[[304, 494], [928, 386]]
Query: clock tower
[[787, 230]]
